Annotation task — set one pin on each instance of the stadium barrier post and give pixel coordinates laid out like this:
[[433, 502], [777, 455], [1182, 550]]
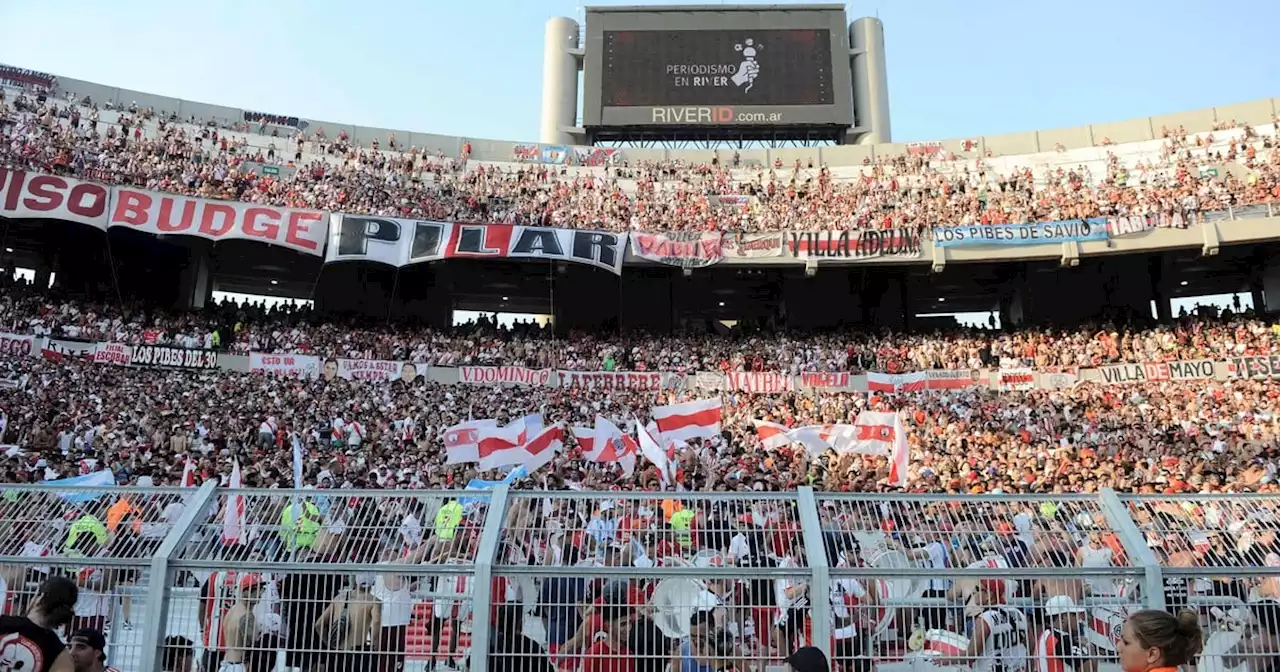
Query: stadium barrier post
[[481, 598], [1135, 545], [820, 582], [157, 609]]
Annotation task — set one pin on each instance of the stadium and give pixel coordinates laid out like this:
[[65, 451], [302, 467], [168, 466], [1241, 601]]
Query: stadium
[[681, 386]]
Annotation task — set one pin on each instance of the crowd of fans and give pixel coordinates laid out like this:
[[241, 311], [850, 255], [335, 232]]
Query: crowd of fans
[[1190, 173], [245, 327], [64, 417]]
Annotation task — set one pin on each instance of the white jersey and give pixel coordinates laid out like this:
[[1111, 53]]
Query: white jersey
[[1005, 649], [1098, 558], [845, 596]]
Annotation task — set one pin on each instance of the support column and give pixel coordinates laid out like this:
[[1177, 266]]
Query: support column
[[870, 81], [559, 82], [195, 286], [1267, 300]]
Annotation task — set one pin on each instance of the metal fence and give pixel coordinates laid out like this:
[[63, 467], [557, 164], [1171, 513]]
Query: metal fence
[[331, 581]]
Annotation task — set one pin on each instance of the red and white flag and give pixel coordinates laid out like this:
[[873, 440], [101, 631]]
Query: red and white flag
[[818, 439], [607, 443], [884, 434], [460, 441], [542, 448], [189, 473], [501, 446], [652, 449], [233, 515], [772, 435], [897, 382], [689, 420]]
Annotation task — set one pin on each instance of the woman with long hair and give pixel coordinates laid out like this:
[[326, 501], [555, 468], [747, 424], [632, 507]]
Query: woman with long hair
[[1157, 641]]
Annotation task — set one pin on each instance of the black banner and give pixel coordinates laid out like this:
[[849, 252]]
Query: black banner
[[174, 358]]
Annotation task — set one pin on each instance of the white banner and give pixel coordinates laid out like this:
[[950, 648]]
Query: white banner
[[740, 245], [26, 195], [1017, 379], [621, 380], [686, 249], [72, 348], [764, 382], [13, 346], [1193, 369], [369, 369], [302, 231], [386, 240], [301, 366], [113, 353], [504, 375]]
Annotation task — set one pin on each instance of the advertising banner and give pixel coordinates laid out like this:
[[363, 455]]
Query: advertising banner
[[950, 379], [505, 375], [763, 382], [648, 381], [172, 358], [1040, 233], [26, 195], [14, 346], [368, 369], [686, 249], [601, 249], [1254, 367], [298, 366], [167, 215], [1017, 379], [385, 240], [742, 245], [896, 243], [1195, 369]]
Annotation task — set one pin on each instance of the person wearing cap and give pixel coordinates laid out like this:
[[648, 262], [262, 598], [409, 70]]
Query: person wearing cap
[[808, 659], [239, 626], [89, 651], [1059, 648]]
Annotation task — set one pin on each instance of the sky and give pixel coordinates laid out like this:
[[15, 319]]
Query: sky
[[956, 69]]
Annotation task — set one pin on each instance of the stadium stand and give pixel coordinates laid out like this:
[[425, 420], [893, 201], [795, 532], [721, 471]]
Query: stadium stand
[[247, 478]]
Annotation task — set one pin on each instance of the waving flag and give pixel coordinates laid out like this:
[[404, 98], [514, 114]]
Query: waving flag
[[654, 452], [607, 443], [884, 434], [772, 435], [189, 473], [460, 441], [500, 446], [689, 420], [233, 515], [542, 448]]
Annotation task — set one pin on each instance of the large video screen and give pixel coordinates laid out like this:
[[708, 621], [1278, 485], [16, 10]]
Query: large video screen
[[706, 70], [716, 67]]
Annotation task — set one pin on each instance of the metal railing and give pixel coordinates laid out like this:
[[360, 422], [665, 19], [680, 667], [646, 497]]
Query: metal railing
[[414, 580]]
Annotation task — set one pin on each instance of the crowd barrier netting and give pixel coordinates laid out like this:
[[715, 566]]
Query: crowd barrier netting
[[418, 580]]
